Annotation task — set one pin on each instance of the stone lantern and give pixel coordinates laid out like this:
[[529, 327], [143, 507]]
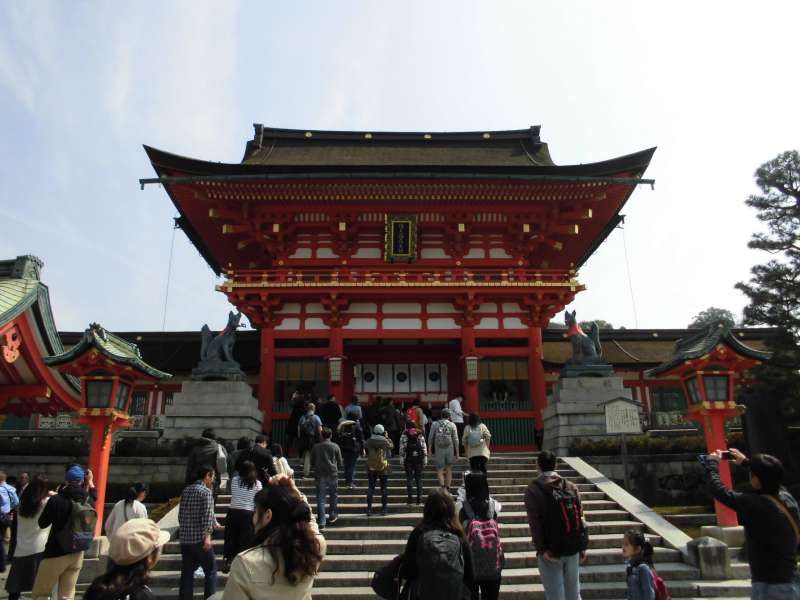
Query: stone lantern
[[108, 368], [709, 364]]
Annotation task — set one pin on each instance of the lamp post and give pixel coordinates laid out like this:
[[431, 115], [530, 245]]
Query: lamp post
[[708, 364], [109, 368]]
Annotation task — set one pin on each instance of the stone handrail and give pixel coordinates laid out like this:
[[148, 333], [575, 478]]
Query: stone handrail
[[671, 535]]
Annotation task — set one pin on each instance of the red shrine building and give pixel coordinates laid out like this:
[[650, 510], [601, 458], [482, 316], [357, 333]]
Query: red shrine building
[[401, 265]]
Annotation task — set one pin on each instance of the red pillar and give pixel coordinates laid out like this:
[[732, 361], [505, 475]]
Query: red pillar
[[336, 348], [715, 440], [536, 375], [266, 376], [99, 455], [470, 392]]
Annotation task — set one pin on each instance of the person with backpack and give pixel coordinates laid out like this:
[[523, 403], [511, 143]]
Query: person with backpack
[[475, 441], [414, 454], [8, 504], [415, 416], [771, 521], [350, 438], [134, 549], [443, 442], [379, 449], [558, 530], [639, 573], [72, 522], [353, 411], [437, 560], [478, 516], [309, 432], [31, 538]]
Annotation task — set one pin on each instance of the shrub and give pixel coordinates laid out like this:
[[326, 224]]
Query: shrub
[[645, 444]]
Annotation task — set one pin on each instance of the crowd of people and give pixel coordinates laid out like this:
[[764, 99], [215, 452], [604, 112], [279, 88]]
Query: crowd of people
[[274, 541]]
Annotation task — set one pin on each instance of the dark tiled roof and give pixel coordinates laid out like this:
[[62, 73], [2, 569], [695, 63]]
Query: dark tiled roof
[[293, 151], [520, 148], [702, 342]]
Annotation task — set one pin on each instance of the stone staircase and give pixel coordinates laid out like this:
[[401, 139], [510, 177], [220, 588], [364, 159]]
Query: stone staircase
[[358, 545]]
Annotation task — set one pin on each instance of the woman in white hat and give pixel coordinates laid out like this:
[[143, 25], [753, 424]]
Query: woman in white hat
[[135, 548]]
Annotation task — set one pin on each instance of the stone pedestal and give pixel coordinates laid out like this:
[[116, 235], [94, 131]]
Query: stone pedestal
[[575, 410], [227, 406]]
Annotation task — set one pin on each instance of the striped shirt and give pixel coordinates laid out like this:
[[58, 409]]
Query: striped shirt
[[241, 496]]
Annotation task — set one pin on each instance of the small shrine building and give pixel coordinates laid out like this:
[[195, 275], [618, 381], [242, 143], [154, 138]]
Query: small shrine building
[[401, 265]]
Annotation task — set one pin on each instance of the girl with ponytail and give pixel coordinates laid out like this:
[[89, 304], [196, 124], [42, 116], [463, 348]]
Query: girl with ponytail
[[638, 553], [287, 550]]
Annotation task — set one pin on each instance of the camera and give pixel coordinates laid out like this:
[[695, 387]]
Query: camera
[[726, 455]]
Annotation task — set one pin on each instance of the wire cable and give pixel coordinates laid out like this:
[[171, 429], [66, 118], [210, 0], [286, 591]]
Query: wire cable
[[169, 277], [630, 279]]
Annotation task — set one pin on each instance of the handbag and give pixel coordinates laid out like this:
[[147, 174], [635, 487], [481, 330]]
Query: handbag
[[785, 511], [386, 580]]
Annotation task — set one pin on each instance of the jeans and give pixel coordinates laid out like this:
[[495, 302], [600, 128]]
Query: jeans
[[560, 577], [327, 489], [193, 556], [307, 463], [3, 561], [775, 591], [478, 464], [414, 470], [350, 461], [372, 479]]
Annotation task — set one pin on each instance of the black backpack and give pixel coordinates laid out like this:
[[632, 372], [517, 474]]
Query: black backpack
[[414, 454], [440, 563], [347, 439], [564, 530]]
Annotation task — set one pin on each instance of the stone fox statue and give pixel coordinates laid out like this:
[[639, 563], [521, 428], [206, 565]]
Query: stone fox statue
[[220, 346], [585, 348]]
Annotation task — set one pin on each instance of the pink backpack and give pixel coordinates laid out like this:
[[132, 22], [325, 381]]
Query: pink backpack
[[662, 593], [483, 537]]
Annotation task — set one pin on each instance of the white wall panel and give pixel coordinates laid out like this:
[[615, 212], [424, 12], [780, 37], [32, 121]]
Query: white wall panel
[[442, 323], [289, 308], [288, 324], [488, 323], [315, 323], [368, 253], [402, 308], [441, 307], [326, 253], [362, 307], [513, 323], [402, 323], [362, 323], [301, 253]]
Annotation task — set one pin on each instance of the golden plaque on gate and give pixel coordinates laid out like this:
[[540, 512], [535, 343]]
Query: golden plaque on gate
[[400, 238]]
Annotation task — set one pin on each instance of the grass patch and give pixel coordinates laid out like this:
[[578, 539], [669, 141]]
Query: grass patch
[[666, 511], [160, 511]]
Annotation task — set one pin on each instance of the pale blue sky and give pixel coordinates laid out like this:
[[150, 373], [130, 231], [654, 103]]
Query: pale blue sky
[[82, 85]]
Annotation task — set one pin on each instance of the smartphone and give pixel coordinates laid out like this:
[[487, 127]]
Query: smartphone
[[726, 455]]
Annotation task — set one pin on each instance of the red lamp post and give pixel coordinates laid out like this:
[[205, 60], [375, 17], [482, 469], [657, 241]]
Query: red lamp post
[[109, 368], [709, 364]]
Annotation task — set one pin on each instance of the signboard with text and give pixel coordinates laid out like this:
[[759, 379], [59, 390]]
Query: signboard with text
[[622, 416]]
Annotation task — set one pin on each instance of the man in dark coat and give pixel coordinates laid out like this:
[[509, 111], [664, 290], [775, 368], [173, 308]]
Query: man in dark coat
[[207, 451], [261, 457]]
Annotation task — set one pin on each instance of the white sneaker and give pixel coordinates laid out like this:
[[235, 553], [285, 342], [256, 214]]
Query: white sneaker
[[199, 572]]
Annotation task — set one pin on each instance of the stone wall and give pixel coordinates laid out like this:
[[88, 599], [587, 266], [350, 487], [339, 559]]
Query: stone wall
[[658, 480], [123, 470]]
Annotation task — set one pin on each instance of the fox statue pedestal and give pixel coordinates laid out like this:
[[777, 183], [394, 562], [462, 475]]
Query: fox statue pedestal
[[227, 406], [575, 410]]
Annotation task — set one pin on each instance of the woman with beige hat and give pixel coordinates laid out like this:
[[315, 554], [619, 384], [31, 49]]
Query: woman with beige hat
[[135, 547]]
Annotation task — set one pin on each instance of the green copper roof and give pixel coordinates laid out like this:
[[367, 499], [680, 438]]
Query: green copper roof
[[20, 290], [703, 342], [110, 345]]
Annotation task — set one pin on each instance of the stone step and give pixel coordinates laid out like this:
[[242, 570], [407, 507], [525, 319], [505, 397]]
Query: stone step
[[412, 518], [347, 495], [514, 559], [591, 573], [398, 487], [357, 505], [610, 542]]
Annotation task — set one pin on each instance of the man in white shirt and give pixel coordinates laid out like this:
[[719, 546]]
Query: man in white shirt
[[457, 415]]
